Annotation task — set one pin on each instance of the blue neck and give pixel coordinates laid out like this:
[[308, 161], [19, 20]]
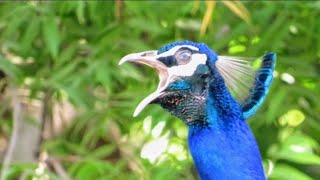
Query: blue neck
[[225, 148]]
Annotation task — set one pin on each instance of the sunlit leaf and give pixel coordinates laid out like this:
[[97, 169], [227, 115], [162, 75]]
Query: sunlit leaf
[[292, 118], [239, 9], [237, 49], [195, 7], [207, 17]]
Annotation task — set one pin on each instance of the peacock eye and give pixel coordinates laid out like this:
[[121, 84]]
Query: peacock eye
[[183, 57]]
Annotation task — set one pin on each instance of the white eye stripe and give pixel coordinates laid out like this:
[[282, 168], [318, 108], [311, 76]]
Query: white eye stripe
[[190, 68], [172, 51]]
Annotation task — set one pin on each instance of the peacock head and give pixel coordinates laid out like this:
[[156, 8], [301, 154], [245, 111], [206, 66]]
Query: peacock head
[[184, 70]]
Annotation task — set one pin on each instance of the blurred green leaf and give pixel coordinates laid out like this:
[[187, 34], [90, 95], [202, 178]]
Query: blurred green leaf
[[90, 169], [80, 12], [102, 151], [11, 70], [282, 171], [29, 36], [297, 148], [277, 102], [51, 35]]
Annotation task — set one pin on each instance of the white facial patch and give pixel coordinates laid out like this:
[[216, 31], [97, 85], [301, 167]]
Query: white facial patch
[[172, 51], [190, 68]]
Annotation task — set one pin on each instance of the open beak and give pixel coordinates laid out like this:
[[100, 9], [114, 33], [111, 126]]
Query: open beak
[[149, 58]]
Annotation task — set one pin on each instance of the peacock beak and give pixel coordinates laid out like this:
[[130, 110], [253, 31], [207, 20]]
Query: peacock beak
[[149, 58]]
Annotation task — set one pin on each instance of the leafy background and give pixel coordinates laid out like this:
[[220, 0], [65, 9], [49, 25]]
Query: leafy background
[[59, 77]]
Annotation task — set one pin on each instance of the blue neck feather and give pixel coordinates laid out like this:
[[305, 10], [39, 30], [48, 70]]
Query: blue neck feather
[[225, 148]]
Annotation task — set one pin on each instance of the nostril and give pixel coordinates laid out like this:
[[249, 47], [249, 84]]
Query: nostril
[[147, 54]]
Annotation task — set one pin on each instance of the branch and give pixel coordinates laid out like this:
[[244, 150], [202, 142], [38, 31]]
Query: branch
[[17, 118]]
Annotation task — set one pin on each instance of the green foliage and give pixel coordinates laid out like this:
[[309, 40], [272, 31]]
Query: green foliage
[[70, 50]]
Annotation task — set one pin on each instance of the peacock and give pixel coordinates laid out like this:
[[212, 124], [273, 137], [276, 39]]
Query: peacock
[[213, 95]]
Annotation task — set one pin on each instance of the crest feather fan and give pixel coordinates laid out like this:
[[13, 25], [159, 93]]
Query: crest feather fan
[[238, 74]]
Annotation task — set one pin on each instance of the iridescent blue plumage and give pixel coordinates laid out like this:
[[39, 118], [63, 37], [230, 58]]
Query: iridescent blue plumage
[[261, 86], [191, 87]]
